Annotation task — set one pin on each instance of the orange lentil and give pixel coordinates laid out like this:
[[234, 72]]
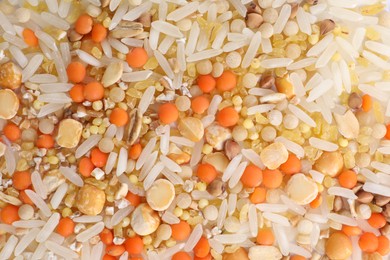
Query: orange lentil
[[30, 38], [292, 165], [135, 151], [84, 24], [383, 246], [265, 237], [137, 57], [347, 179], [65, 227], [258, 195], [134, 245], [76, 93], [9, 214], [24, 198], [134, 199], [377, 220], [387, 136], [368, 242], [99, 32], [200, 104], [181, 256], [119, 117], [106, 236], [168, 113], [93, 91], [206, 83], [367, 103], [206, 172], [252, 176], [297, 257], [115, 250], [351, 231], [316, 202], [272, 179], [227, 81], [207, 257], [21, 180], [227, 117], [76, 71], [181, 230], [202, 248], [109, 257], [45, 141], [12, 132], [136, 258], [98, 158], [86, 167]]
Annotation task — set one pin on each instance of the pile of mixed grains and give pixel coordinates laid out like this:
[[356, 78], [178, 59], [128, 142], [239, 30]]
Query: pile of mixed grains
[[211, 129]]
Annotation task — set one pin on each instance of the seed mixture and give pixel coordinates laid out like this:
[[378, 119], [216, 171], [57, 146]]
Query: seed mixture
[[213, 129]]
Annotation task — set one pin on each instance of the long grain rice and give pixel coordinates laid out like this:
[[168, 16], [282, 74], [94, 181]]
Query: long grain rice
[[72, 176], [121, 214], [6, 25], [276, 63], [54, 20], [239, 6], [202, 55], [25, 241], [276, 218], [237, 175], [343, 219], [39, 202], [323, 144], [90, 232], [253, 222], [9, 247], [122, 161], [230, 239], [43, 78], [88, 58], [31, 223], [136, 76], [32, 67], [231, 168], [222, 213], [58, 195], [282, 18], [61, 250], [194, 237], [48, 228], [63, 8], [232, 202], [252, 50], [48, 109], [196, 155], [120, 12], [152, 175], [87, 145]]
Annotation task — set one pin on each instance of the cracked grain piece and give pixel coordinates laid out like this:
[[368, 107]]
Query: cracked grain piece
[[69, 133], [90, 200]]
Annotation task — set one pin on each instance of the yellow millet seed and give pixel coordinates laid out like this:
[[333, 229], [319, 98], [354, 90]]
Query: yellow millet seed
[[86, 133], [53, 160], [177, 212], [93, 129], [66, 212], [97, 121], [207, 149], [185, 215], [248, 123], [201, 186], [97, 105], [133, 179], [343, 142], [102, 129], [203, 203]]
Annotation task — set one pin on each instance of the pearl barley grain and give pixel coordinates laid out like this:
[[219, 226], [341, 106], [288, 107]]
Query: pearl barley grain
[[291, 28], [270, 15], [204, 67], [268, 133], [267, 30], [233, 59], [239, 133], [211, 212], [217, 69], [46, 126], [250, 80], [237, 25], [275, 117], [293, 51], [183, 103], [106, 145], [290, 121], [26, 212]]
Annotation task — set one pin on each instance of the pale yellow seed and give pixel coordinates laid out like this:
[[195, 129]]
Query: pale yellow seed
[[207, 149], [94, 129], [248, 123], [177, 212], [66, 212], [147, 240], [97, 105], [201, 186], [133, 178], [185, 215], [97, 121], [53, 160], [203, 203]]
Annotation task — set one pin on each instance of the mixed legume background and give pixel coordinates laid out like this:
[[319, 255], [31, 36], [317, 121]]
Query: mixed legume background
[[174, 129]]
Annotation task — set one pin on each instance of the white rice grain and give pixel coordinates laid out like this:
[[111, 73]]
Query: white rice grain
[[18, 55], [87, 145], [48, 228], [326, 56], [48, 109], [276, 63], [252, 50], [6, 25], [39, 202], [152, 175], [230, 239], [25, 241], [320, 46], [61, 250], [342, 219], [122, 161], [167, 28], [196, 155], [323, 144], [345, 14], [342, 192], [38, 185], [183, 11], [283, 17], [88, 58], [239, 6], [31, 223], [276, 218], [202, 55], [303, 21], [9, 247], [253, 222], [120, 12], [55, 88], [54, 20], [237, 175], [43, 78], [121, 214], [293, 206], [72, 176], [58, 195], [145, 153], [136, 76], [136, 12], [63, 8], [231, 168], [90, 232], [32, 67], [194, 237], [302, 115]]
